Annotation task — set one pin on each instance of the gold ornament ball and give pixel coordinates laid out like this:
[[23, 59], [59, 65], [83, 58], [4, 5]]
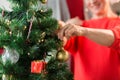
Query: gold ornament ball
[[44, 1], [62, 55]]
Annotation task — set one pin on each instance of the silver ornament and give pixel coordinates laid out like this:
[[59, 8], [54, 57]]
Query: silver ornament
[[10, 55], [4, 77], [51, 54], [7, 77]]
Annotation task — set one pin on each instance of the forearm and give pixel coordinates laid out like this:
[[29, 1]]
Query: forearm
[[100, 36]]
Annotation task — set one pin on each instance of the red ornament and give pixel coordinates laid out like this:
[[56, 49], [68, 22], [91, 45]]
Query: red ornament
[[1, 51], [37, 66]]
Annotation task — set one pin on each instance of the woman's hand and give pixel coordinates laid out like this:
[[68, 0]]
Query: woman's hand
[[70, 30], [61, 25]]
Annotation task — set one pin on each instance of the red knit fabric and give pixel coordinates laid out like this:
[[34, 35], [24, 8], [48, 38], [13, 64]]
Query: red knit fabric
[[93, 61]]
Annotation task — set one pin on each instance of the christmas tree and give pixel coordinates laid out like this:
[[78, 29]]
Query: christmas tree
[[31, 49]]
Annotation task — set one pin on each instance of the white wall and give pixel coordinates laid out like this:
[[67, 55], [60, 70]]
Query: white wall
[[60, 9]]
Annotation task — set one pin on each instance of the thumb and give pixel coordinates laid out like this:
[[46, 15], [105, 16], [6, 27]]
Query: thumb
[[61, 24], [64, 41]]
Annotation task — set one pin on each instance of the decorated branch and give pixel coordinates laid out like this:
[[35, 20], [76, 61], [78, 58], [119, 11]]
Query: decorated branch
[[29, 47]]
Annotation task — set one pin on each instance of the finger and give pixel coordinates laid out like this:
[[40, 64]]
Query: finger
[[64, 41], [69, 31], [58, 34], [61, 24], [61, 33]]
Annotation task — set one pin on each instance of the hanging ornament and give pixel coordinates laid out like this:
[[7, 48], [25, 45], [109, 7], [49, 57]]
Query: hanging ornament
[[7, 77], [10, 55], [62, 55], [3, 12], [4, 77], [30, 27], [44, 1], [1, 51], [50, 54], [37, 66]]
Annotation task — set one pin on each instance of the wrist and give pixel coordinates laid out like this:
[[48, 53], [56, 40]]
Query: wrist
[[83, 31]]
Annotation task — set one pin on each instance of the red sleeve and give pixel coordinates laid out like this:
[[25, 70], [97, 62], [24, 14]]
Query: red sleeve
[[69, 42], [116, 43], [71, 45], [89, 23], [85, 23], [73, 42]]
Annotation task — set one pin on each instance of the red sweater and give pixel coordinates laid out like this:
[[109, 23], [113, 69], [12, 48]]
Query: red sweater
[[92, 61]]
